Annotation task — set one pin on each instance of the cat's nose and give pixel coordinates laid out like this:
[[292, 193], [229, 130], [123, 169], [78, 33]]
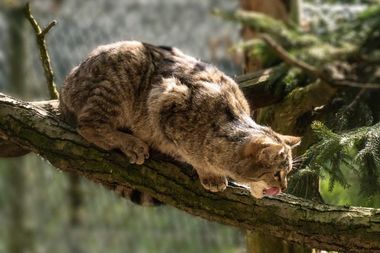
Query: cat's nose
[[283, 188]]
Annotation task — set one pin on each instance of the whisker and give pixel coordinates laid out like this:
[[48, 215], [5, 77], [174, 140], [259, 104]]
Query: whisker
[[299, 158], [298, 162], [296, 167]]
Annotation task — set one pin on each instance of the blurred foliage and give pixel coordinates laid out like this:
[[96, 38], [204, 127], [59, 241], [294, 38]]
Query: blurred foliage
[[349, 152], [343, 1], [346, 146]]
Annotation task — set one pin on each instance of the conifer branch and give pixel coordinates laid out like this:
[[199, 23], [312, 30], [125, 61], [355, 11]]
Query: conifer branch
[[313, 71]]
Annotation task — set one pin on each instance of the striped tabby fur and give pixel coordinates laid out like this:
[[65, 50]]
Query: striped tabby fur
[[178, 105]]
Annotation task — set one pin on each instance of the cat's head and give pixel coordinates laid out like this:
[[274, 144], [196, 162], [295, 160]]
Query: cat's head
[[265, 163]]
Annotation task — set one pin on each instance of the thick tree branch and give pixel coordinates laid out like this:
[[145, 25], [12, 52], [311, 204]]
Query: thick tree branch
[[264, 87], [37, 127], [295, 104]]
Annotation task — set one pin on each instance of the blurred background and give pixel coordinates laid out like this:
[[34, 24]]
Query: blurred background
[[44, 210]]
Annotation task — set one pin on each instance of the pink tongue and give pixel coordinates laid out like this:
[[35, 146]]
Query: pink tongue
[[272, 191]]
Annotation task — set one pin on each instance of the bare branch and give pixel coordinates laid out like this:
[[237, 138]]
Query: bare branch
[[32, 20], [41, 42], [47, 28], [287, 58]]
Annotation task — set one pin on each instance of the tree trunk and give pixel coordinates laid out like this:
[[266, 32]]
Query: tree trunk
[[264, 243], [297, 220], [284, 11], [274, 8], [75, 207]]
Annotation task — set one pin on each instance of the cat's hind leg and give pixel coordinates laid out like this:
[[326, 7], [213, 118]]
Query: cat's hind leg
[[96, 123], [107, 138]]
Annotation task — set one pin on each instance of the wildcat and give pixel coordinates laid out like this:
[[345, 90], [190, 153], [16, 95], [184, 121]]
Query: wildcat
[[180, 106]]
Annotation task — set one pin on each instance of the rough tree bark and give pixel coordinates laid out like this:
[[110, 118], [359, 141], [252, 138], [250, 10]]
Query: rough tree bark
[[36, 127]]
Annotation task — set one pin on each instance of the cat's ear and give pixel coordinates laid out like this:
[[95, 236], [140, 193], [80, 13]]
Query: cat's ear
[[262, 147], [271, 152], [292, 141], [254, 145]]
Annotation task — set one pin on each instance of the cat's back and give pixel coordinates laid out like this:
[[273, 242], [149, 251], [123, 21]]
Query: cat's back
[[111, 60], [117, 68]]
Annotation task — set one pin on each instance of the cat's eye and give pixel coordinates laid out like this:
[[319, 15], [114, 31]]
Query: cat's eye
[[277, 175]]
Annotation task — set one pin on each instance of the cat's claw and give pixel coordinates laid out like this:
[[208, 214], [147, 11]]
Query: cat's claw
[[215, 183]]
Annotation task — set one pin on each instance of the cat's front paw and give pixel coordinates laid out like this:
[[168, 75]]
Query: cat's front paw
[[214, 183], [136, 150]]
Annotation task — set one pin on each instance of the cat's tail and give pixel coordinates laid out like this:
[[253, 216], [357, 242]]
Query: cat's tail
[[136, 196]]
